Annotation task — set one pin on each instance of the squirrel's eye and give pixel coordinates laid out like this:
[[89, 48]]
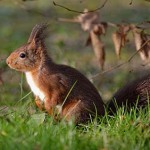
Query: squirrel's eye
[[22, 55]]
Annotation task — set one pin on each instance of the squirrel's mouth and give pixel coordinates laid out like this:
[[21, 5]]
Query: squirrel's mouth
[[15, 68], [10, 64], [12, 67]]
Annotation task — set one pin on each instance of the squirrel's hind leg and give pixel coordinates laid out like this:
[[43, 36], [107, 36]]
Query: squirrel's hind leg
[[75, 111], [39, 103]]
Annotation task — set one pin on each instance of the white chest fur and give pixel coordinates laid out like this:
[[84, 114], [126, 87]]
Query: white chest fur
[[34, 87]]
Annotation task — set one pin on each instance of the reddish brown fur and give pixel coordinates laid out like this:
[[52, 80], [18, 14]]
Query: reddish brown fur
[[39, 103], [134, 94], [55, 81]]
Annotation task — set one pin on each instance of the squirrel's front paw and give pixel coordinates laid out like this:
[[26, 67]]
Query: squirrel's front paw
[[39, 104]]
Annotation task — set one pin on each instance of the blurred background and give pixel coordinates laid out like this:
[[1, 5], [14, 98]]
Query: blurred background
[[66, 42]]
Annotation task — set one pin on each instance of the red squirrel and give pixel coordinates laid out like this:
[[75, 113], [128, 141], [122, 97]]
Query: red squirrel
[[51, 82], [62, 89]]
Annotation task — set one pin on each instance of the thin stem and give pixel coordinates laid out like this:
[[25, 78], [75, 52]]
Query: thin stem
[[81, 12]]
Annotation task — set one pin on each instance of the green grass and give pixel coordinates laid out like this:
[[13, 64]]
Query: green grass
[[24, 127]]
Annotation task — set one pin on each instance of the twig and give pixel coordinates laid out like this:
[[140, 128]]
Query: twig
[[111, 69], [27, 0], [122, 64], [112, 24], [131, 2], [138, 50], [81, 12], [69, 20]]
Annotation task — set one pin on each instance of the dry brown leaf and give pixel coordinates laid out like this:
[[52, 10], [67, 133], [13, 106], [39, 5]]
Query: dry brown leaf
[[123, 30], [140, 38], [104, 26], [120, 38], [116, 37], [98, 47], [146, 47], [88, 41], [98, 29]]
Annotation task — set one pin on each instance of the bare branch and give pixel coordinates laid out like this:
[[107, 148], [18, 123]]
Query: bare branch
[[80, 12], [138, 50], [27, 0], [75, 20], [131, 2], [112, 24]]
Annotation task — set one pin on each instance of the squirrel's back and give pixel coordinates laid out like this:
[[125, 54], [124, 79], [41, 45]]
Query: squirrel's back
[[80, 88]]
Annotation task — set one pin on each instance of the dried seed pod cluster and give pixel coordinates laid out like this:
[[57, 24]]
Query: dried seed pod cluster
[[119, 38], [142, 42], [90, 22]]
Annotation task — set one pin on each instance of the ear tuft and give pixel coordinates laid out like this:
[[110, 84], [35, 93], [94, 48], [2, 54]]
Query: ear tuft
[[38, 33]]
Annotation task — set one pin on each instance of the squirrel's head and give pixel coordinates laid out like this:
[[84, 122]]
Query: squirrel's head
[[29, 56]]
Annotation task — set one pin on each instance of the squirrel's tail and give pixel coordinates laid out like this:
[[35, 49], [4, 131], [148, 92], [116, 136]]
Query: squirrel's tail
[[135, 94]]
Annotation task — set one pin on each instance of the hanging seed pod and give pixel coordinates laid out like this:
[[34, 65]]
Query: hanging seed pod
[[98, 47], [123, 30], [145, 45], [103, 26], [116, 37], [120, 38], [140, 38], [88, 41]]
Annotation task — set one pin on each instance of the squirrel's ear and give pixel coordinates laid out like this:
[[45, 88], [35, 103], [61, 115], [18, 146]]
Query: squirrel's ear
[[38, 33]]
